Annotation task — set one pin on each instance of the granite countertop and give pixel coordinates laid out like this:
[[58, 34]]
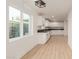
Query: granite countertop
[[48, 29]]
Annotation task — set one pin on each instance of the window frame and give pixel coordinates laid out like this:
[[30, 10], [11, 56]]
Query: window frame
[[21, 26], [26, 23]]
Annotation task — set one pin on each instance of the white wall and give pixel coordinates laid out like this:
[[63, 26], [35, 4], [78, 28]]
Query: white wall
[[56, 24], [16, 49], [70, 29], [66, 27]]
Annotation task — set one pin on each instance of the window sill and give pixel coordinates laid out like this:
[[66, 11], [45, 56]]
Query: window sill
[[19, 38]]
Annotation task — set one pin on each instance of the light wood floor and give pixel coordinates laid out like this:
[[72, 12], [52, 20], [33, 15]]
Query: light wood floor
[[55, 48]]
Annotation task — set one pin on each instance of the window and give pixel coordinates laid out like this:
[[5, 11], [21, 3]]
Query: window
[[15, 24], [26, 19]]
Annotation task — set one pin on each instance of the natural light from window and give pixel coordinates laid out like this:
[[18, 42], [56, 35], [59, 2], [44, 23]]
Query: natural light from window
[[18, 23]]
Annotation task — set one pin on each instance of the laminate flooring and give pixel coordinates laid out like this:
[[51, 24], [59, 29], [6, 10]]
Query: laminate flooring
[[56, 48]]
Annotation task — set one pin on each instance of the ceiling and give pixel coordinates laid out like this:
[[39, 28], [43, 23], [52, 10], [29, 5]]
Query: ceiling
[[57, 8]]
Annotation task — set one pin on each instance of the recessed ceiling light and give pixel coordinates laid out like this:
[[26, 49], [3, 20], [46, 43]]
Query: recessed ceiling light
[[53, 16], [35, 0]]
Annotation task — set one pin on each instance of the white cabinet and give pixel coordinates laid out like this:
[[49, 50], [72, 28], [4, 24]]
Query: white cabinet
[[43, 37], [57, 32]]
